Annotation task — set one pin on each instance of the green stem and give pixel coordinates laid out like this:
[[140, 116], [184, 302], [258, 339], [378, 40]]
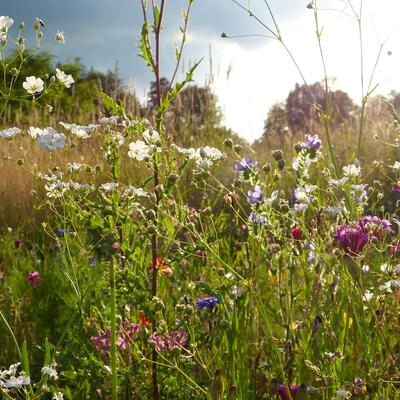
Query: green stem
[[113, 332]]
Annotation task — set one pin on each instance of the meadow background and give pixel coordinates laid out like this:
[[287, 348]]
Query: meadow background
[[199, 265]]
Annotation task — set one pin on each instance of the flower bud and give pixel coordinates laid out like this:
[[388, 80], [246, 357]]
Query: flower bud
[[237, 148], [267, 167], [281, 164], [277, 155], [298, 147], [228, 143], [21, 25]]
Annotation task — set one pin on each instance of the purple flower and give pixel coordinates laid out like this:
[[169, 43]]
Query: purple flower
[[313, 142], [284, 391], [34, 278], [92, 261], [355, 236], [257, 219], [168, 341], [207, 302], [245, 164], [396, 187], [256, 196], [352, 237]]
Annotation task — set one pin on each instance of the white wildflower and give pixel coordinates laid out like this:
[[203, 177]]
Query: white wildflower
[[16, 382], [60, 37], [139, 150], [58, 396], [109, 121], [56, 189], [51, 139], [72, 167], [5, 23], [9, 133], [151, 137], [135, 192], [351, 171], [33, 85], [81, 131], [66, 80], [34, 133], [390, 286], [52, 373], [338, 182], [108, 187]]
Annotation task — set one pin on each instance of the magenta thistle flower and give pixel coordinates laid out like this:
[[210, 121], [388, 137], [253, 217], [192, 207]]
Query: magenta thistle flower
[[396, 187], [352, 237], [34, 278]]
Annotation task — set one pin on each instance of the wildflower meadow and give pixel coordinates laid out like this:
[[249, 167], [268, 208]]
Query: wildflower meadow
[[149, 252]]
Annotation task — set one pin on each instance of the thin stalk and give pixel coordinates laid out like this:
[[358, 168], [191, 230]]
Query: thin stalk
[[114, 376]]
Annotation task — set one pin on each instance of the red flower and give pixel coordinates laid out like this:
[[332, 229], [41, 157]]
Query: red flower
[[159, 263], [297, 233], [34, 278], [143, 319]]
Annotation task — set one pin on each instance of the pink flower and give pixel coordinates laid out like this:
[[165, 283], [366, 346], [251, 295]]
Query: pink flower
[[396, 187], [34, 278]]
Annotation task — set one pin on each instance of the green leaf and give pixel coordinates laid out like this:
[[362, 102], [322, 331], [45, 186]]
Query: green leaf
[[111, 105], [144, 47], [24, 358], [353, 267]]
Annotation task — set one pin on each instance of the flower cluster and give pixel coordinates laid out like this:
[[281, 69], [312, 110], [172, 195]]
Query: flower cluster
[[9, 378], [207, 302], [168, 341], [125, 335], [354, 236]]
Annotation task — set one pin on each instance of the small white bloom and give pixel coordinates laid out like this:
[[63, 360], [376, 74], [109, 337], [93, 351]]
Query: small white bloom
[[139, 150], [109, 121], [151, 137], [52, 373], [18, 382], [58, 396], [5, 23], [33, 85], [396, 166], [81, 131], [3, 40], [9, 133], [56, 189], [60, 38], [66, 80], [135, 192], [351, 171], [35, 132], [51, 139], [338, 182], [106, 369], [108, 187], [72, 167]]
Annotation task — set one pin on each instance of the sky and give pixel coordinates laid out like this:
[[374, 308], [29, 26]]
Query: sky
[[250, 73]]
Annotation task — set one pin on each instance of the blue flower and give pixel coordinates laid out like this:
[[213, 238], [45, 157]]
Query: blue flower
[[92, 261], [62, 232], [207, 302], [245, 164], [257, 219], [313, 142], [256, 196]]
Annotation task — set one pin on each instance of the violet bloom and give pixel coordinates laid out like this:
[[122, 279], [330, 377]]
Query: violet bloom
[[102, 341], [168, 341], [376, 226], [207, 302], [257, 219], [126, 334], [284, 391], [256, 196], [396, 187], [352, 237], [245, 164], [313, 142], [34, 278]]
